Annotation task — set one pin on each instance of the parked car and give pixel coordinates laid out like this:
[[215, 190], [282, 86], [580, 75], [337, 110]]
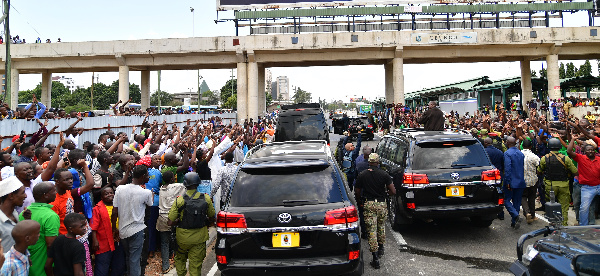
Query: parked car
[[573, 250], [289, 212], [439, 174], [361, 124], [301, 122]]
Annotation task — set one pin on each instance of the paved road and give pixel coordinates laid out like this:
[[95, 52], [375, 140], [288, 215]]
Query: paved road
[[452, 247]]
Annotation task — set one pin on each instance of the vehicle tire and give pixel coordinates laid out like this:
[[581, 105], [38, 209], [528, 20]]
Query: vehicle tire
[[396, 216], [360, 270], [479, 222]]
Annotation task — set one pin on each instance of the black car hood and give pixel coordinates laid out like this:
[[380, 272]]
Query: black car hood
[[572, 241]]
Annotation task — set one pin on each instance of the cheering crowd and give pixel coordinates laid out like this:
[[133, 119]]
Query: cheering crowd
[[107, 208]]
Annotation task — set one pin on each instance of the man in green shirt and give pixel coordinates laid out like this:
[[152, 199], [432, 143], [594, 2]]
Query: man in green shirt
[[41, 211], [556, 168], [191, 236]]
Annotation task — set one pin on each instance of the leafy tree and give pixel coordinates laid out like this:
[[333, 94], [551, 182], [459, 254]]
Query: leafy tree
[[543, 73], [80, 107], [210, 97], [585, 70], [302, 96], [571, 70], [533, 74], [231, 102], [561, 71], [228, 89], [269, 98], [164, 97]]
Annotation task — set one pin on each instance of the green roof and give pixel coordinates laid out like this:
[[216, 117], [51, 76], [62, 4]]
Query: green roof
[[443, 9], [450, 88], [500, 83]]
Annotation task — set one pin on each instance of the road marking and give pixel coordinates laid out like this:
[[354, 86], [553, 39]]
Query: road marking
[[213, 270], [543, 218], [399, 239]]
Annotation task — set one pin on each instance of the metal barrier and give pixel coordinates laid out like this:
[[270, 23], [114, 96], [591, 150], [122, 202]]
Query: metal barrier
[[94, 126]]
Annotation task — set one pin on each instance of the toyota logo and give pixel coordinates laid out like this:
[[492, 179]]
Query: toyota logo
[[284, 218], [455, 176]]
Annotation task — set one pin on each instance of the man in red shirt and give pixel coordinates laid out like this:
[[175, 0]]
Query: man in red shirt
[[588, 168]]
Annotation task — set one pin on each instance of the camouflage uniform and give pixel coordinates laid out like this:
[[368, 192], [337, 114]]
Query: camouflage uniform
[[375, 214]]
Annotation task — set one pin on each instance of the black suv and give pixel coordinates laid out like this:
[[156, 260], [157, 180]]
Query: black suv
[[439, 174], [573, 250], [361, 124], [289, 212], [301, 122]]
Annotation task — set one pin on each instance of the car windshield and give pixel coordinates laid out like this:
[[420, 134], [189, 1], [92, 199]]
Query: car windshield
[[449, 155], [301, 127], [285, 187]]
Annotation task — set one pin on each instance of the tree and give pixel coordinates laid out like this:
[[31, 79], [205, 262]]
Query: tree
[[561, 71], [543, 73], [269, 98], [302, 96], [585, 70], [163, 96], [228, 89], [210, 97], [231, 102], [533, 74], [571, 70]]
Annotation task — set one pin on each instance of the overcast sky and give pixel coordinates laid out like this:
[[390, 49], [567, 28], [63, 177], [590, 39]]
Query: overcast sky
[[76, 20]]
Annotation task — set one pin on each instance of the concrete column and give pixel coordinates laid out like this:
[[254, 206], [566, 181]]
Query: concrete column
[[262, 97], [145, 89], [14, 88], [526, 93], [123, 83], [46, 89], [252, 89], [553, 78], [242, 92], [389, 83], [398, 77]]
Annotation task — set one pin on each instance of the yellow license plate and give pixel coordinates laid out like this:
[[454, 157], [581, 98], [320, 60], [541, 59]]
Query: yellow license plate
[[286, 239], [455, 191]]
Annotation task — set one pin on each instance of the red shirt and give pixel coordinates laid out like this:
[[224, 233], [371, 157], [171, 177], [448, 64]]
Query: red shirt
[[63, 205], [103, 226], [589, 170]]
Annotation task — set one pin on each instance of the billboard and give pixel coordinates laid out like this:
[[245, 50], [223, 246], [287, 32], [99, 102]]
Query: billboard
[[280, 4]]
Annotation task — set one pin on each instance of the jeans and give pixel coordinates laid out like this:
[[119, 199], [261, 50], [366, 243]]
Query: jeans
[[512, 201], [133, 253], [111, 261], [165, 248], [587, 196], [152, 216], [577, 204]]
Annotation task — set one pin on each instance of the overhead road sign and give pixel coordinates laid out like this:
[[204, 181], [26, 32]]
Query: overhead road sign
[[282, 4], [433, 9]]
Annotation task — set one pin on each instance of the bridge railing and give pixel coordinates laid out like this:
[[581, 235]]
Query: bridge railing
[[94, 126]]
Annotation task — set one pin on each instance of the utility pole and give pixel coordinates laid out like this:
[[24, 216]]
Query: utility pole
[[92, 92], [159, 93], [7, 66]]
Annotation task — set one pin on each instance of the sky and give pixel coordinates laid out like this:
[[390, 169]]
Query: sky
[[76, 21]]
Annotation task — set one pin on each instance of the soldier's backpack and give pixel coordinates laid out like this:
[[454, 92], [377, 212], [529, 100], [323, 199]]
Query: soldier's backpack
[[194, 212]]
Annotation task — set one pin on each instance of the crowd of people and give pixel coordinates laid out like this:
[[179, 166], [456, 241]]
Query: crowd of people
[[107, 208], [17, 40]]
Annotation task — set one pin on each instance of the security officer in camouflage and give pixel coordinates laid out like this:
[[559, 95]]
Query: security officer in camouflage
[[371, 185], [556, 168]]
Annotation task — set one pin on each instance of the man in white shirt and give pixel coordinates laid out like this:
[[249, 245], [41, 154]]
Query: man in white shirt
[[130, 203]]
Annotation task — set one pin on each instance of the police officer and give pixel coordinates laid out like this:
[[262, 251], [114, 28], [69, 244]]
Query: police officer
[[371, 187], [556, 168], [192, 231]]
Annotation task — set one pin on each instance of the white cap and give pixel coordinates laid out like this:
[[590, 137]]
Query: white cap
[[9, 185]]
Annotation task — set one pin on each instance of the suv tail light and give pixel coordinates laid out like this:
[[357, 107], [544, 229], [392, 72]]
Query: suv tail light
[[415, 179], [370, 126], [491, 176], [342, 218], [230, 223]]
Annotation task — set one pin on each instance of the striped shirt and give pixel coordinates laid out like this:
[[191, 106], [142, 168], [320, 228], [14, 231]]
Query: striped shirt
[[15, 263]]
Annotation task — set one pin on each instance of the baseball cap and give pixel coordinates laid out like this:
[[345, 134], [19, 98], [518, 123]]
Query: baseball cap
[[373, 158]]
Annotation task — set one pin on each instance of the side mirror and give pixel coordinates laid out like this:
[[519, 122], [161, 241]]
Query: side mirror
[[587, 264]]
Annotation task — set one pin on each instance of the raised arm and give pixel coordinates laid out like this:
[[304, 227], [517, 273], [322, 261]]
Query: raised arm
[[53, 164], [570, 151]]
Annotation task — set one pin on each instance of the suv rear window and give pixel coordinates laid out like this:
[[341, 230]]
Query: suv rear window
[[299, 126], [285, 187], [449, 155]]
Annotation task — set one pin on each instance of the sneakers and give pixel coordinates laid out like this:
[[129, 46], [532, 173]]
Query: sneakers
[[529, 218], [375, 262], [165, 271], [380, 252], [517, 223]]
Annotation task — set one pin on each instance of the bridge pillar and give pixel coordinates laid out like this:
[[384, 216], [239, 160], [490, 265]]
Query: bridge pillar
[[14, 88], [242, 91], [389, 83], [145, 89], [252, 88], [123, 83], [46, 89], [398, 76], [553, 77], [526, 93], [262, 97]]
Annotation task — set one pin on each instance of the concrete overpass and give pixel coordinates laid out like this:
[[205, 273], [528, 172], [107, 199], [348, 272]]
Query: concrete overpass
[[252, 54]]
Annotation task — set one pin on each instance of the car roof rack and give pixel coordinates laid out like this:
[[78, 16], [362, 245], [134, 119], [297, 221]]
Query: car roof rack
[[325, 153]]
